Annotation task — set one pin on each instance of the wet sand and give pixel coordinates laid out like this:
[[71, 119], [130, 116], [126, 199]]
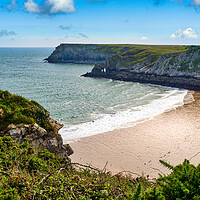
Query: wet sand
[[171, 136]]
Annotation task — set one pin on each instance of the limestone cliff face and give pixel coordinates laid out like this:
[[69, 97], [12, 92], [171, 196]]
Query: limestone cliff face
[[181, 70], [78, 54], [175, 66]]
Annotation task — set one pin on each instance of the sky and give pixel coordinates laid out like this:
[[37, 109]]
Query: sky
[[47, 23]]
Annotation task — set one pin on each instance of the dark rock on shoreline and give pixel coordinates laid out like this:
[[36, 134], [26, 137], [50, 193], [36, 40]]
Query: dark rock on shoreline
[[177, 82]]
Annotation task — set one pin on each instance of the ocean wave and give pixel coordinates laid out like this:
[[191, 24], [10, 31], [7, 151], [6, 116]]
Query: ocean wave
[[126, 118]]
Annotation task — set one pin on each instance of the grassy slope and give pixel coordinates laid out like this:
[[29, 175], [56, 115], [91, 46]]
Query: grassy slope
[[15, 109], [138, 53], [131, 54], [154, 49], [130, 48]]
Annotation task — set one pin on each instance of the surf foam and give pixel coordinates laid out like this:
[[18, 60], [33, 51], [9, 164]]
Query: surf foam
[[123, 119]]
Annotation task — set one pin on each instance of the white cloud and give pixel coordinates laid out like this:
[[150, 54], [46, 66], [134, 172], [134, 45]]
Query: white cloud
[[31, 6], [61, 6], [188, 33], [50, 7], [144, 38], [177, 34], [195, 2]]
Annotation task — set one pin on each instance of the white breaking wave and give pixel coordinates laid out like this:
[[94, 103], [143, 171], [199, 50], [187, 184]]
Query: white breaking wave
[[122, 119]]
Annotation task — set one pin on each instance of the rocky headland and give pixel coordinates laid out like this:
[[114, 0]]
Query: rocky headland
[[25, 120], [79, 54], [174, 66]]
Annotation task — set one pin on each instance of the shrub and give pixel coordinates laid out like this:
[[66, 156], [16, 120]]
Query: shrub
[[26, 174], [16, 110]]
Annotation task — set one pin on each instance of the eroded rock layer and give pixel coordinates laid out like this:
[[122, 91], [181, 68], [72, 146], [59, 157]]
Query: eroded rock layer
[[25, 120]]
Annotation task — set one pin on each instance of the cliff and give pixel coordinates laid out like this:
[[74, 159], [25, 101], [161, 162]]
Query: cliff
[[82, 53], [174, 69], [174, 66], [25, 120]]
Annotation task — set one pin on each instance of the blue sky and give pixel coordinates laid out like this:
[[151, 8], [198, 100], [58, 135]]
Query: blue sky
[[47, 23]]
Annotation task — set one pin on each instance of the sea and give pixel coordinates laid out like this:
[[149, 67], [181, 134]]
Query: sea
[[86, 106]]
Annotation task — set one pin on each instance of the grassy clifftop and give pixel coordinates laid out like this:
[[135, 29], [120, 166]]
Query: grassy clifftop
[[127, 48], [97, 53], [132, 49], [128, 55], [73, 52], [15, 109], [136, 54]]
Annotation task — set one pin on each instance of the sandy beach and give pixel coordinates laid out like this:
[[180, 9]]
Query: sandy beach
[[171, 136]]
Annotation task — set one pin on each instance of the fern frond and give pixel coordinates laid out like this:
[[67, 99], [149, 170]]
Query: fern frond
[[165, 164]]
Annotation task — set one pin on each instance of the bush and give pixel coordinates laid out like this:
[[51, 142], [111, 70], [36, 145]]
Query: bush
[[16, 110], [182, 183], [26, 174]]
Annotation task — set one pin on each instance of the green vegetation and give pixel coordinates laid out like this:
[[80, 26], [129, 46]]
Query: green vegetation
[[184, 66], [114, 48], [129, 54], [139, 53], [15, 109], [149, 49], [25, 174], [132, 54]]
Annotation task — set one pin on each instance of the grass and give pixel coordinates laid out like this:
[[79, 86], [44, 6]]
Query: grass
[[132, 54], [131, 49], [15, 109], [148, 49]]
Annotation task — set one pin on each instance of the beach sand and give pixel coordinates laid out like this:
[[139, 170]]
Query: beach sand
[[172, 136]]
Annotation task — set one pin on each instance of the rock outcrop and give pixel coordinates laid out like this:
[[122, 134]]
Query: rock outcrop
[[174, 66], [78, 54], [38, 138], [25, 120], [181, 70]]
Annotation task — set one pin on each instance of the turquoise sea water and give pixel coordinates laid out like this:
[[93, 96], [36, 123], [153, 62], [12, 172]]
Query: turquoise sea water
[[85, 106]]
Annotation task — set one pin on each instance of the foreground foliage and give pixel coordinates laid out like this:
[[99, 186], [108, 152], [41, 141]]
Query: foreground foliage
[[15, 109], [25, 174]]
